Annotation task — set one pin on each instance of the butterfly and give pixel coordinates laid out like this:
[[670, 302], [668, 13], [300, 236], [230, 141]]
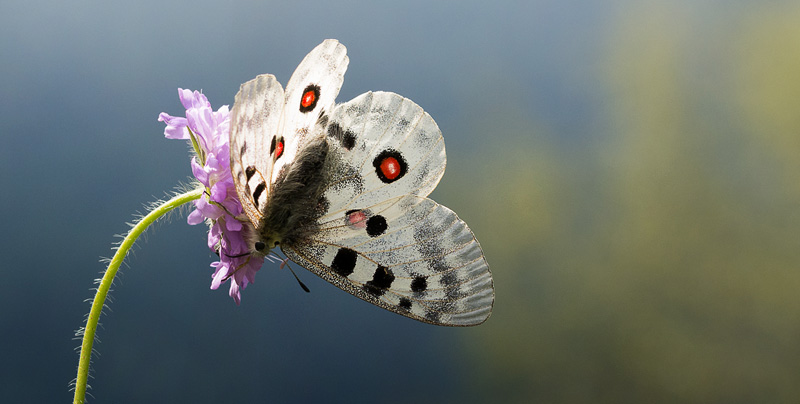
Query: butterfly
[[342, 190]]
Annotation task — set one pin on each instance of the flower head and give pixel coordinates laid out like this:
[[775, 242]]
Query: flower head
[[219, 206]]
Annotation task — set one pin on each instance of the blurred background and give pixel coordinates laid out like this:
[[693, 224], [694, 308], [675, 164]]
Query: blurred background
[[631, 169]]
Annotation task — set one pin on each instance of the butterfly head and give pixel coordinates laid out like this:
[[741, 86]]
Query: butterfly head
[[263, 245], [260, 241]]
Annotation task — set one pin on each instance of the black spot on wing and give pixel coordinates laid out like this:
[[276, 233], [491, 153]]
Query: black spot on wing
[[250, 171], [272, 145], [345, 137], [348, 140], [344, 262], [335, 130], [257, 192], [405, 303], [419, 284], [381, 281], [322, 119], [376, 225]]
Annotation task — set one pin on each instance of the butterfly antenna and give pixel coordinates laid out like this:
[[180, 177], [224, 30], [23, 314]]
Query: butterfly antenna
[[285, 261]]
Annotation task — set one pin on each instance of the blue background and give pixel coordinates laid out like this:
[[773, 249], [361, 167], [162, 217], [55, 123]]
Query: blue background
[[632, 170]]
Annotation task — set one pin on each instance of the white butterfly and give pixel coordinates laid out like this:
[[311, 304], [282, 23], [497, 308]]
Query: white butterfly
[[341, 189]]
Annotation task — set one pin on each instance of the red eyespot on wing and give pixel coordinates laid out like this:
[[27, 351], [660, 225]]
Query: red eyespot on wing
[[309, 99], [390, 165], [279, 149], [356, 219], [390, 168]]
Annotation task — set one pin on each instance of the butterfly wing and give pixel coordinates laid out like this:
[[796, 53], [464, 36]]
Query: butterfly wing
[[310, 96], [387, 147], [377, 236], [268, 125], [380, 238], [255, 120], [409, 255]]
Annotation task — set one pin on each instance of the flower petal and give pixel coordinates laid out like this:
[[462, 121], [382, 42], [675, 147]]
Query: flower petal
[[232, 224], [196, 217], [176, 126], [219, 275], [220, 205], [193, 99], [234, 293], [199, 172], [219, 191]]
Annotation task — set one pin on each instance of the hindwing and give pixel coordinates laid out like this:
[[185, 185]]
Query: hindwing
[[409, 255]]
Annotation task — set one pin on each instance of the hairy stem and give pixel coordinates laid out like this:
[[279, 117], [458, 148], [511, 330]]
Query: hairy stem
[[108, 278]]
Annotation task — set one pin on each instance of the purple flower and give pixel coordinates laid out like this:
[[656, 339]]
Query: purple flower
[[219, 206]]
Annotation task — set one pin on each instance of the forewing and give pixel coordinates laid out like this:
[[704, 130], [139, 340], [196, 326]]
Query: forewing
[[407, 254], [254, 123], [382, 146], [310, 96]]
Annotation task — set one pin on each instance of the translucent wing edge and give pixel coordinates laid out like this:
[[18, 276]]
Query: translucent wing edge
[[467, 302]]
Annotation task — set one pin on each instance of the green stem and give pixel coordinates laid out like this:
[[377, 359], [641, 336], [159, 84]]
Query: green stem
[[108, 278]]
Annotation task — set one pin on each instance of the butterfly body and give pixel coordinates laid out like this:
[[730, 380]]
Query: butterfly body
[[292, 206], [342, 190]]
